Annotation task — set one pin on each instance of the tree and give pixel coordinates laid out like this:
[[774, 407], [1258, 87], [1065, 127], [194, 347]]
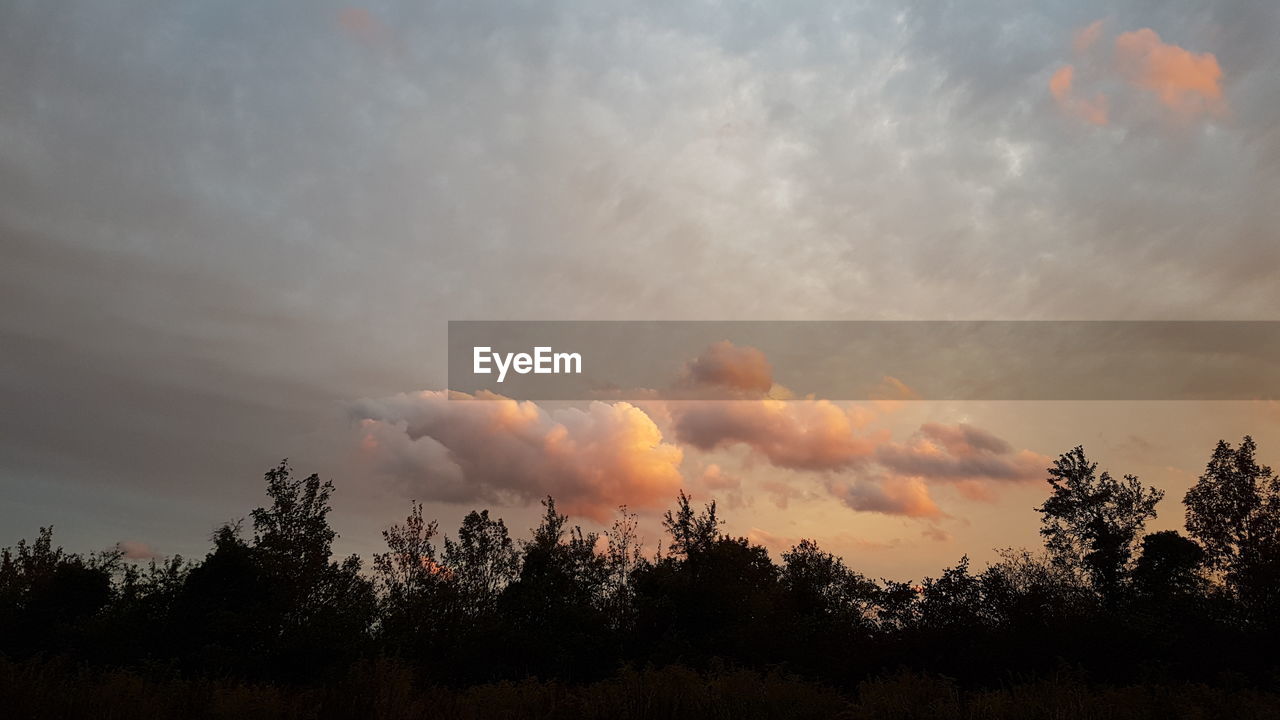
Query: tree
[[1024, 590], [954, 600], [226, 617], [293, 533], [1169, 566], [819, 584], [1233, 510], [318, 605], [1091, 522], [46, 593], [483, 560], [554, 608], [415, 591], [692, 532], [710, 595], [623, 556]]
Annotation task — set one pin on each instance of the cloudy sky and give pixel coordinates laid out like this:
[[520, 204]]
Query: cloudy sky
[[232, 232]]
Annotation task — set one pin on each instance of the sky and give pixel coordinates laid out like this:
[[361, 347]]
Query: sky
[[234, 232]]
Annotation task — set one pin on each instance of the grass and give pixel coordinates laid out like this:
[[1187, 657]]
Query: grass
[[387, 690]]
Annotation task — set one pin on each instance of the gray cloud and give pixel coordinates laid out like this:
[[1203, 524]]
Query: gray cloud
[[220, 221]]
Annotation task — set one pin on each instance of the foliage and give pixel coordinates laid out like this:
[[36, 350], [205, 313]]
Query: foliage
[[1233, 510], [445, 621], [1092, 521]]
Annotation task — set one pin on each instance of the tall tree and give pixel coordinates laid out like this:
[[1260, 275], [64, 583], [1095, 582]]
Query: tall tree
[[1170, 566], [320, 603], [623, 556], [413, 586], [554, 608], [483, 560], [819, 584], [1092, 521], [692, 532], [1233, 510], [293, 533]]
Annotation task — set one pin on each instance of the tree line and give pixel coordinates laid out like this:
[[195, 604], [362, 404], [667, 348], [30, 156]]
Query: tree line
[[271, 603]]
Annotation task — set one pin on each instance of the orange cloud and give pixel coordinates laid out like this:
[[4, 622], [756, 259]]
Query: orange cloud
[[936, 534], [136, 550], [799, 435], [877, 474], [1190, 84], [729, 366], [971, 459], [592, 460], [715, 478], [1092, 111], [1087, 36], [893, 495], [1184, 81], [608, 454]]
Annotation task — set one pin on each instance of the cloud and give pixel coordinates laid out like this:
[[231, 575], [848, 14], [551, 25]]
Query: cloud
[[715, 478], [1186, 82], [362, 25], [1092, 111], [448, 447], [1086, 37], [799, 435], [866, 470], [960, 453], [936, 534], [216, 273], [889, 495], [728, 366], [136, 550], [818, 435]]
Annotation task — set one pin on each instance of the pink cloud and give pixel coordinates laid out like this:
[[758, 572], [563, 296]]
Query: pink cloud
[[1086, 37], [729, 366], [136, 550], [960, 453], [451, 448], [936, 534], [715, 478], [1184, 81], [889, 495], [799, 435], [1188, 83], [1093, 111]]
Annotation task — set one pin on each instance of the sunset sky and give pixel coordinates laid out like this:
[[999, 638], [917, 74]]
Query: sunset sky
[[233, 232]]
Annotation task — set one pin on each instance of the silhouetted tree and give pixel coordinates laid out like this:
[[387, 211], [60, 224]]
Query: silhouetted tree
[[293, 534], [1169, 566], [691, 532], [711, 595], [418, 596], [570, 605], [623, 556], [820, 585], [1092, 521], [46, 593], [1026, 592], [1233, 510], [554, 607], [483, 560], [226, 614], [280, 601], [954, 600]]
